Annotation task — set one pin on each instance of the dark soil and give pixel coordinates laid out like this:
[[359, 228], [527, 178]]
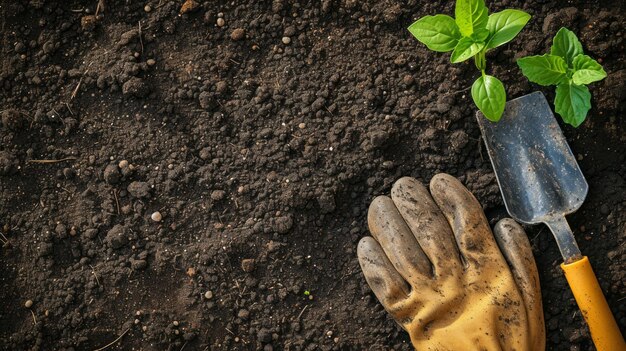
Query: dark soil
[[262, 158]]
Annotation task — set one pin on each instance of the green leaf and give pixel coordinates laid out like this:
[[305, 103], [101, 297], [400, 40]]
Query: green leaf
[[566, 45], [587, 70], [503, 26], [489, 96], [471, 15], [439, 33], [480, 35], [544, 70], [465, 49], [572, 102]]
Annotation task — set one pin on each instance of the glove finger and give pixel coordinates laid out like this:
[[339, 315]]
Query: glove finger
[[516, 249], [427, 224], [394, 236], [467, 219], [386, 283]]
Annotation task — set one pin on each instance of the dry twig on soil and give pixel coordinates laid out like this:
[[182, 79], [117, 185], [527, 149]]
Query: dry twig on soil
[[99, 7], [79, 83], [140, 39], [52, 161], [113, 342]]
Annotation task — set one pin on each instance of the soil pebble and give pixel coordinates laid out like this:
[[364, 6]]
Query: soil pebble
[[206, 100], [28, 303], [61, 230], [12, 119], [88, 23], [135, 87], [189, 6], [558, 19], [379, 138], [116, 236], [156, 216], [247, 265], [8, 163], [112, 174], [286, 40], [138, 264], [139, 190], [238, 34], [221, 87], [283, 224], [218, 195], [123, 164], [243, 313]]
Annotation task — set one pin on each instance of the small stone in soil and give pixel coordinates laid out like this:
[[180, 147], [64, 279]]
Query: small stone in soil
[[151, 62], [243, 314], [208, 295], [139, 189], [116, 237], [221, 22], [138, 264], [147, 8], [237, 34], [283, 224], [289, 31], [8, 163], [217, 195], [247, 265], [206, 100], [221, 87], [68, 173], [156, 216], [189, 6], [135, 87], [123, 164], [111, 174], [28, 303], [88, 23], [61, 230], [12, 119], [286, 40]]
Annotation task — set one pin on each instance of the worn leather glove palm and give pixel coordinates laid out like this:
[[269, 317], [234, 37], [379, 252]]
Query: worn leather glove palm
[[434, 265]]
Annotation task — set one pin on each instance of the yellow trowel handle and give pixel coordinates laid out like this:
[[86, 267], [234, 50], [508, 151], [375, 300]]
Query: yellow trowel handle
[[604, 331]]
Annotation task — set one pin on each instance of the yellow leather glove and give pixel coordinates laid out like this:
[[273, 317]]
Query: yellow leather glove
[[434, 265]]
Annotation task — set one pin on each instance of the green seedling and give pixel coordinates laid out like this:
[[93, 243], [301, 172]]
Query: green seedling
[[471, 34], [567, 67]]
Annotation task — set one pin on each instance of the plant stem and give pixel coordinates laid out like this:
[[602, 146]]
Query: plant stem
[[480, 61]]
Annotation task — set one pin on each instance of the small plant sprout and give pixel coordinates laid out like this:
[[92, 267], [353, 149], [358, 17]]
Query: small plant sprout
[[471, 34], [567, 67]]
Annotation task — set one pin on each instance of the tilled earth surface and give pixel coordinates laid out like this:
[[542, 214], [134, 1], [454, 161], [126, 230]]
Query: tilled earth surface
[[259, 132]]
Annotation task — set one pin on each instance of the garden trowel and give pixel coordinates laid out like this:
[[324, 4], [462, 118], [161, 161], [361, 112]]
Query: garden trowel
[[541, 182]]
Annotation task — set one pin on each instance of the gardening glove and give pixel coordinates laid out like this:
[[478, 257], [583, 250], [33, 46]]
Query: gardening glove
[[433, 263]]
